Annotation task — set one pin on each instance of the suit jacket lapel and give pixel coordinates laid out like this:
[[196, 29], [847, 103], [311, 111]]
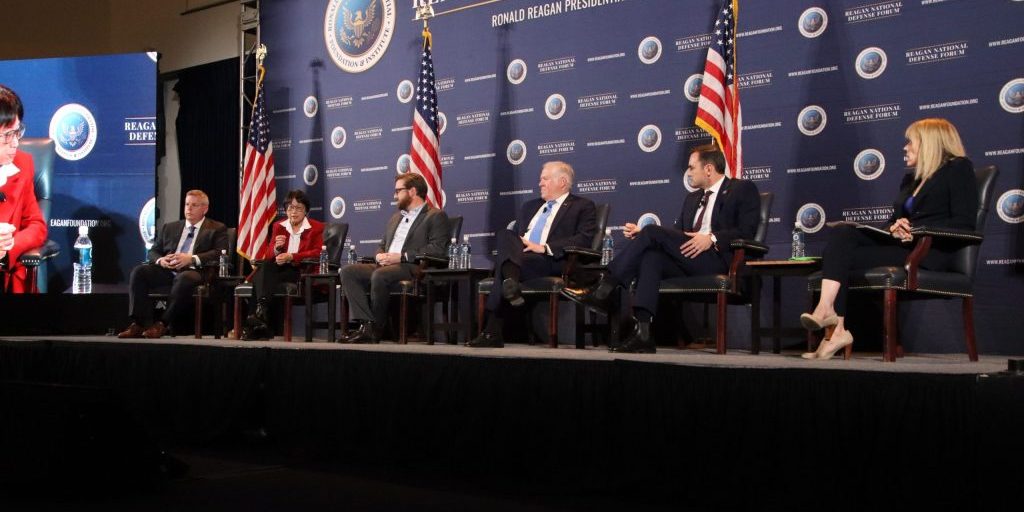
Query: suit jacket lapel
[[723, 192], [420, 219], [11, 190], [562, 212]]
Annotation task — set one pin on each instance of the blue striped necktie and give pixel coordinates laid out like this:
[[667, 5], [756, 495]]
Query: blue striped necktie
[[187, 246], [538, 228]]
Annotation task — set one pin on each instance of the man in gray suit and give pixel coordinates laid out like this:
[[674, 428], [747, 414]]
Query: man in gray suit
[[181, 248], [415, 229]]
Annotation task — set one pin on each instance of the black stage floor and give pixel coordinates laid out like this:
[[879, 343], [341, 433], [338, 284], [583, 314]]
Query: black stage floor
[[691, 428]]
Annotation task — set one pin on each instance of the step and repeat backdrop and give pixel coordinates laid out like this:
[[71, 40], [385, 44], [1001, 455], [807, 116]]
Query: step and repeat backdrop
[[610, 86], [100, 112]]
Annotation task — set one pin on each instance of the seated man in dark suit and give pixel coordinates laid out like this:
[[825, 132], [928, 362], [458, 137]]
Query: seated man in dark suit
[[720, 211], [545, 227], [181, 248], [415, 229]]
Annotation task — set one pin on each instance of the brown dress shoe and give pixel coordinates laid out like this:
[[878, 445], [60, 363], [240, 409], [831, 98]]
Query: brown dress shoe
[[133, 331], [156, 330]]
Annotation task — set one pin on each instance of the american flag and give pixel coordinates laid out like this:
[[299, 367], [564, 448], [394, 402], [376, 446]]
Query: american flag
[[258, 198], [426, 146], [718, 111]]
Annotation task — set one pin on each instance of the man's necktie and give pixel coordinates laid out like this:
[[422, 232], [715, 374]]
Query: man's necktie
[[187, 246], [538, 228], [703, 208]]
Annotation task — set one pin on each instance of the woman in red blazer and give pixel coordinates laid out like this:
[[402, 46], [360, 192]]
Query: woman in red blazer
[[296, 238], [18, 205]]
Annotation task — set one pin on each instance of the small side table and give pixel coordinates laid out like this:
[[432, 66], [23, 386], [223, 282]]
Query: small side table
[[462, 285], [332, 279], [777, 269]]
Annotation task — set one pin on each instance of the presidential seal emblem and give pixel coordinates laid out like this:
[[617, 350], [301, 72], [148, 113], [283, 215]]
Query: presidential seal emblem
[[147, 223], [813, 22], [812, 120], [688, 183], [871, 63], [338, 137], [649, 50], [516, 152], [647, 219], [73, 129], [310, 106], [811, 217], [554, 107], [442, 122], [403, 164], [649, 138], [692, 87], [1011, 97], [516, 71], [869, 164], [310, 174], [405, 91], [337, 207], [358, 32], [1010, 206]]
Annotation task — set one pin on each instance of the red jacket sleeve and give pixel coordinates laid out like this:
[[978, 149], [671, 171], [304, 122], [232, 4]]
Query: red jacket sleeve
[[28, 219], [310, 243]]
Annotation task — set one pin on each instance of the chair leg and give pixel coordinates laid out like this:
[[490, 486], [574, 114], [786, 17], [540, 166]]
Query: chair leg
[[889, 350], [972, 348], [481, 301], [403, 322], [288, 318], [199, 316], [553, 321], [680, 339], [238, 318], [720, 335]]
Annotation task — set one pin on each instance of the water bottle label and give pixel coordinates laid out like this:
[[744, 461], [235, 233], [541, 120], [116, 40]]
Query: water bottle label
[[86, 256]]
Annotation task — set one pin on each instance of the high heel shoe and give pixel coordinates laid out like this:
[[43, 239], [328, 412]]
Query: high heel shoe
[[830, 346], [811, 322]]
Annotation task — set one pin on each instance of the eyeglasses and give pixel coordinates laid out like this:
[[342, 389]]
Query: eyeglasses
[[397, 190], [15, 134], [295, 208]]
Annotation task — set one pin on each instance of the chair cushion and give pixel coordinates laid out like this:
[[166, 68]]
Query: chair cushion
[[403, 287], [541, 285], [245, 290], [881, 278], [695, 284]]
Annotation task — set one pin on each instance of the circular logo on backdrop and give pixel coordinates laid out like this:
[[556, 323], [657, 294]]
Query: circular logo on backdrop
[[357, 32], [338, 137], [1010, 206], [404, 91], [869, 164], [554, 107], [688, 183], [403, 164], [647, 219], [337, 207], [310, 174], [813, 22], [871, 62], [649, 50], [147, 223], [811, 217], [516, 152], [442, 122], [812, 120], [73, 128], [692, 87], [1011, 97], [310, 106], [649, 138], [516, 71]]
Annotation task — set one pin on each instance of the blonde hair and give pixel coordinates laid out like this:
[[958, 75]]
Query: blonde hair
[[200, 194], [937, 141], [562, 169]]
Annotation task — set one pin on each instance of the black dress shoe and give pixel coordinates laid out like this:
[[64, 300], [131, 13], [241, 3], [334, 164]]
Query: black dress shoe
[[486, 340], [595, 296], [511, 292], [638, 342], [367, 333]]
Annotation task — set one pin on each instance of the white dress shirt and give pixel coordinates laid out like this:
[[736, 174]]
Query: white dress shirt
[[705, 224], [403, 228], [195, 236], [550, 220], [295, 237]]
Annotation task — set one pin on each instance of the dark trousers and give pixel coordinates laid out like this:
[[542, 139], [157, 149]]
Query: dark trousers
[[147, 278], [531, 265], [269, 277], [359, 279], [850, 249], [654, 255]]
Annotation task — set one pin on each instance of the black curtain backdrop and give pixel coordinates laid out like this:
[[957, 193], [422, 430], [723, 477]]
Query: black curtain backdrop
[[207, 127]]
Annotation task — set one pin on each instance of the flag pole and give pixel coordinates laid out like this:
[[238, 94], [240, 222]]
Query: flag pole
[[261, 55]]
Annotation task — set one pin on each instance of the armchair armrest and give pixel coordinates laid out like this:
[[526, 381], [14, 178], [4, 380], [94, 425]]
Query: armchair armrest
[[33, 257], [967, 235], [582, 252], [923, 239], [751, 247], [431, 261]]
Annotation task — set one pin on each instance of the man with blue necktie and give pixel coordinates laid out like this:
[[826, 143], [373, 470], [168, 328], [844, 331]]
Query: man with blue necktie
[[545, 227], [181, 248]]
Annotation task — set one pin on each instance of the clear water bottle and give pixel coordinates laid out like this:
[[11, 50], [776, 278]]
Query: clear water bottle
[[325, 266], [81, 281], [799, 244], [453, 254], [607, 247], [352, 257], [465, 253], [223, 264]]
